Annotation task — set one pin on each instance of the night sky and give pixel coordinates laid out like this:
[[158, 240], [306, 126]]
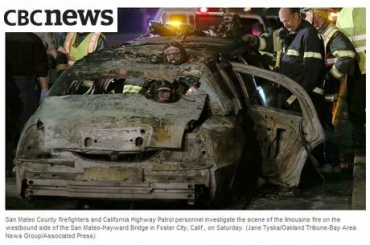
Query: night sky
[[133, 20]]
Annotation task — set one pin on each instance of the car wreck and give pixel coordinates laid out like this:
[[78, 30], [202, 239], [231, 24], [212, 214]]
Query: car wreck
[[168, 118]]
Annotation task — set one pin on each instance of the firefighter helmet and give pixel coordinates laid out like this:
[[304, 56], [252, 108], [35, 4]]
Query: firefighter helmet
[[175, 53]]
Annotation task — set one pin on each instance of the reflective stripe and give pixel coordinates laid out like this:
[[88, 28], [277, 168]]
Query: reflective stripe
[[357, 38], [68, 42], [132, 89], [331, 61], [336, 73], [331, 97], [344, 53], [93, 42], [328, 34], [312, 55], [262, 44], [318, 90], [329, 30], [361, 49], [292, 52]]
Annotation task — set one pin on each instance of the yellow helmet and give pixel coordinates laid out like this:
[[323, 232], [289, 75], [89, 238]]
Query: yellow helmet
[[322, 12]]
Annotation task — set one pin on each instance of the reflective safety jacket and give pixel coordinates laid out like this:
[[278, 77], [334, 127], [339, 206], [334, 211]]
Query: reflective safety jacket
[[352, 22], [76, 50], [303, 57], [77, 45], [340, 47]]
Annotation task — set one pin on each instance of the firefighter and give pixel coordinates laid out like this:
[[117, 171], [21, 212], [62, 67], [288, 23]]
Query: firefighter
[[340, 53], [77, 45], [269, 45], [351, 21]]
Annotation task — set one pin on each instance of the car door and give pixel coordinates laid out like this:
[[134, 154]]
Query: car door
[[286, 137]]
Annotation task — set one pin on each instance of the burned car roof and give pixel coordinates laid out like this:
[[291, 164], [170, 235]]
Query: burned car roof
[[145, 59]]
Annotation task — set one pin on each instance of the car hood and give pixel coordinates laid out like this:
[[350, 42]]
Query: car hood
[[115, 122]]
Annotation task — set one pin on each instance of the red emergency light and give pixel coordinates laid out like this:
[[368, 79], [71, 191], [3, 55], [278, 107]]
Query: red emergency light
[[203, 10]]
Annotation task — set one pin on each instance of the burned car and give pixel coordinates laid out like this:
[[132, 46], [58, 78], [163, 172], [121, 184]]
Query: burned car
[[165, 118]]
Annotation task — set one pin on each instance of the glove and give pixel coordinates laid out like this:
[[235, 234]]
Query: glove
[[43, 94]]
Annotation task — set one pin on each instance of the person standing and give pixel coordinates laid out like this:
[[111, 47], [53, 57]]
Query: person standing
[[302, 60], [340, 53], [337, 45], [302, 50], [26, 66], [76, 46], [51, 42], [352, 22]]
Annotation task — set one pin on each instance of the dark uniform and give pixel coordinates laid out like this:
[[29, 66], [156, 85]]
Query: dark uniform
[[303, 57], [340, 57], [26, 60], [340, 47], [340, 54]]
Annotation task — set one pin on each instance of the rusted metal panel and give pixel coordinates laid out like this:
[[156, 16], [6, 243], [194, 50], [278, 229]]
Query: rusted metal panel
[[70, 120]]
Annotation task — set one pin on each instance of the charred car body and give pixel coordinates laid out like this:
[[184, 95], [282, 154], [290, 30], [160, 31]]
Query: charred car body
[[169, 118]]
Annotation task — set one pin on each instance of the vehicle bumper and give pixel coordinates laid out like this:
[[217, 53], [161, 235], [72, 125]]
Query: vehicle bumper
[[113, 183]]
